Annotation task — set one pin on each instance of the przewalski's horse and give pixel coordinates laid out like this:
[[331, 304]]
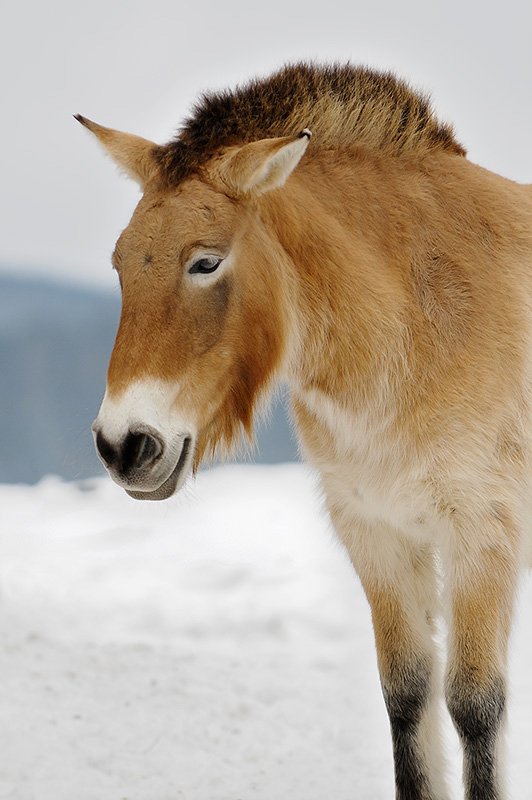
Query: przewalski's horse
[[388, 280]]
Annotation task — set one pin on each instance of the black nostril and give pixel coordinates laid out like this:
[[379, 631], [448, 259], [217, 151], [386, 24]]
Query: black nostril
[[109, 454], [137, 451], [140, 450]]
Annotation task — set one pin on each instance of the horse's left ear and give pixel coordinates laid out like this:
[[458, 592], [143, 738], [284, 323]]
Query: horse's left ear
[[258, 167], [132, 154]]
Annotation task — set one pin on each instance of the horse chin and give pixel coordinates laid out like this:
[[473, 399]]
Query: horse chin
[[175, 480]]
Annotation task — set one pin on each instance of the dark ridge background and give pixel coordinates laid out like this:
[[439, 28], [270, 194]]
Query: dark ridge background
[[55, 342]]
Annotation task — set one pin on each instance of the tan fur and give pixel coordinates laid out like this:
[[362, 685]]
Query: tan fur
[[391, 288], [482, 576]]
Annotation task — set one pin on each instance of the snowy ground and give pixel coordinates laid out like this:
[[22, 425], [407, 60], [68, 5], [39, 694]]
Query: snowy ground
[[213, 647]]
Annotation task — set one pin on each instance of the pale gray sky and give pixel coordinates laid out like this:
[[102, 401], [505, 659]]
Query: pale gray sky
[[138, 66]]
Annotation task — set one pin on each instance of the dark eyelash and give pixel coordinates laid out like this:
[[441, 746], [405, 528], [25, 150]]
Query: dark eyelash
[[205, 265]]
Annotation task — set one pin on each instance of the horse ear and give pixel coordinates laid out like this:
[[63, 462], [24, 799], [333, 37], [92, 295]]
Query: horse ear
[[258, 167], [133, 154]]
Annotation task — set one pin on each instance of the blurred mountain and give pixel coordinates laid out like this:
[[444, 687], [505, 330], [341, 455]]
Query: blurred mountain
[[55, 342]]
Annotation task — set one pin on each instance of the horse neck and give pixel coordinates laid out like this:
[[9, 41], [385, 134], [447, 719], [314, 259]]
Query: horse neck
[[345, 294]]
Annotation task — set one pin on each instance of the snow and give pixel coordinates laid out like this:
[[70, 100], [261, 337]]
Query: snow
[[213, 647]]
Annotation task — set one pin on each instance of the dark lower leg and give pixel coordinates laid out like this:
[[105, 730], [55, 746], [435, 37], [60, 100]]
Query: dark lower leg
[[406, 694], [478, 713]]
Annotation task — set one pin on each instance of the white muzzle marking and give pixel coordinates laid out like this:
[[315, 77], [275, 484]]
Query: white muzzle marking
[[146, 408]]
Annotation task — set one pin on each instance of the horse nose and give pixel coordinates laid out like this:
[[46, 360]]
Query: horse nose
[[137, 450]]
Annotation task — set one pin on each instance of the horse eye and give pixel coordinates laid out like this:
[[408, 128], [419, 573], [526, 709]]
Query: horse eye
[[205, 265]]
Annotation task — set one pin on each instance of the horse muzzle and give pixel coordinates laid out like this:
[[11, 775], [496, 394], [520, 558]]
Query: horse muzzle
[[144, 441], [143, 463]]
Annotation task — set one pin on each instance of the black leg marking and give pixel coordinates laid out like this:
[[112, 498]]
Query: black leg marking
[[477, 714], [406, 696]]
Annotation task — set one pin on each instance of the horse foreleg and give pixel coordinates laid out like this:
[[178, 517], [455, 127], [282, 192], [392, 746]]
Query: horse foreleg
[[400, 584], [481, 562]]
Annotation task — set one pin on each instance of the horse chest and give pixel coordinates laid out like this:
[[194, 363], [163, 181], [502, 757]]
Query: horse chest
[[371, 470]]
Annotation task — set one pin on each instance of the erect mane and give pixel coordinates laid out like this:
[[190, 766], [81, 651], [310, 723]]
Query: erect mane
[[344, 106]]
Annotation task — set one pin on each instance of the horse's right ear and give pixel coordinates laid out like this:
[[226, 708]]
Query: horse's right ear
[[132, 154], [259, 167]]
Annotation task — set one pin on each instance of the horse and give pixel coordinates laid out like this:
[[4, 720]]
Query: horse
[[322, 227]]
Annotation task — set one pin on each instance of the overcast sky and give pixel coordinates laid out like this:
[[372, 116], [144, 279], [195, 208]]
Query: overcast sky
[[138, 67]]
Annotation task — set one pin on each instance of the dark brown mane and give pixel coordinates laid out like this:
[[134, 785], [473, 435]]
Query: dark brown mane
[[343, 105]]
